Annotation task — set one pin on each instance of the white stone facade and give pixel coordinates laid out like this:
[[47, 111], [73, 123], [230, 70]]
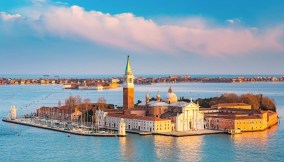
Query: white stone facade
[[190, 118], [133, 122]]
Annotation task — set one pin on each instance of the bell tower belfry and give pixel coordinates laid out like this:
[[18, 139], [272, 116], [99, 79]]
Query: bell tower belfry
[[128, 87]]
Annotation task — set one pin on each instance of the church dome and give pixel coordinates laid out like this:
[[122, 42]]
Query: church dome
[[171, 97], [158, 104], [179, 104]]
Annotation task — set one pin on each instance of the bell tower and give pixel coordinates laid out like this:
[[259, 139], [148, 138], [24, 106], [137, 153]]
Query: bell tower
[[128, 87]]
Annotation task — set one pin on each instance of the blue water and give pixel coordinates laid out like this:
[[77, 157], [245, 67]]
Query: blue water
[[35, 144]]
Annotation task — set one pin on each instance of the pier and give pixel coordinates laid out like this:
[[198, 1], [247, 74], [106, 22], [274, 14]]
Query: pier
[[25, 122], [142, 133], [75, 132]]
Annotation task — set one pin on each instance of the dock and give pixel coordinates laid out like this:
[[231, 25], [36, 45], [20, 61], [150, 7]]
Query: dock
[[175, 133], [142, 133], [21, 121], [17, 121], [191, 133]]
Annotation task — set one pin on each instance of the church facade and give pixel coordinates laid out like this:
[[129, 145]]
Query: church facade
[[190, 118]]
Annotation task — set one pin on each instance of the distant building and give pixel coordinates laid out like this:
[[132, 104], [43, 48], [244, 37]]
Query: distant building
[[187, 77], [43, 81], [174, 77]]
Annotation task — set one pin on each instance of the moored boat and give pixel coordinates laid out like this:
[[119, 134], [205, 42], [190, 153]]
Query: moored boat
[[234, 131]]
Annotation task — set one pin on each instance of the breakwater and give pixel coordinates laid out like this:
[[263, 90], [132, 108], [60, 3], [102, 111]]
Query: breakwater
[[87, 133], [81, 133]]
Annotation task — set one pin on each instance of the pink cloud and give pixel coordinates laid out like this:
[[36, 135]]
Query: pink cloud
[[8, 17], [134, 33]]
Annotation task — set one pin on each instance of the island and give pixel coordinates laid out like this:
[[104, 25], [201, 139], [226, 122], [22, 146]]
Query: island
[[168, 116]]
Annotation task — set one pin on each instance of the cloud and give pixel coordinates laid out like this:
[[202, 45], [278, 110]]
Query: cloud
[[9, 17], [39, 1], [61, 3], [127, 31], [233, 21]]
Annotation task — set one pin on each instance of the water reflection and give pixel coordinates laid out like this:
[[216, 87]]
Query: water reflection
[[250, 143], [258, 139], [126, 148], [164, 147], [180, 149], [190, 148]]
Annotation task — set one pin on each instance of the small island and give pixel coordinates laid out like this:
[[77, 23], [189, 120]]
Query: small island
[[167, 116]]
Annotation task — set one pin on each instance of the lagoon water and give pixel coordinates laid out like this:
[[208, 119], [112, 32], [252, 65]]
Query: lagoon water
[[35, 144]]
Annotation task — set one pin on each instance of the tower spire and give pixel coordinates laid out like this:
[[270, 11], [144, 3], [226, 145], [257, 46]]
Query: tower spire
[[128, 69]]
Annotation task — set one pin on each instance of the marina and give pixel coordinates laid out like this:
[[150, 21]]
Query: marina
[[73, 131], [82, 132]]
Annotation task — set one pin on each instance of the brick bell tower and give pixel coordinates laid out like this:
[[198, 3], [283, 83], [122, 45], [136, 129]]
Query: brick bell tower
[[128, 87]]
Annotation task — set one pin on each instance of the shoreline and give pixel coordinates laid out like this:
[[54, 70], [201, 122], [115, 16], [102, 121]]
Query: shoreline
[[57, 130], [113, 82], [171, 134]]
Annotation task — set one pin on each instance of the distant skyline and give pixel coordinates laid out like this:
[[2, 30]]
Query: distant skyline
[[162, 37]]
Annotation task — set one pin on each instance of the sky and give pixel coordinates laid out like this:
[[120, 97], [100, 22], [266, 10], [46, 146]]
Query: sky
[[161, 36]]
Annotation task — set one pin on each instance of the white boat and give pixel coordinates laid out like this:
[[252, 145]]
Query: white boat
[[67, 86], [70, 86], [91, 87]]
